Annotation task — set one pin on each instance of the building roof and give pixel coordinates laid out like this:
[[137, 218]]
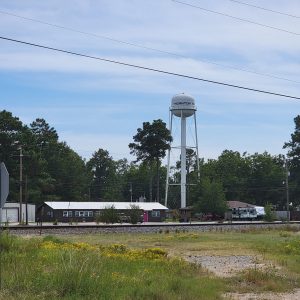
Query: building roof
[[16, 205], [238, 204], [146, 206]]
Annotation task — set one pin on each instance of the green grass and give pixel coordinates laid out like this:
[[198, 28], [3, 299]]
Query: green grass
[[279, 248], [54, 269], [135, 266]]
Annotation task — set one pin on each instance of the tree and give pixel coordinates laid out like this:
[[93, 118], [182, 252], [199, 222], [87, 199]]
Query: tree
[[211, 197], [13, 136], [265, 181], [293, 154], [150, 145], [43, 133], [102, 168]]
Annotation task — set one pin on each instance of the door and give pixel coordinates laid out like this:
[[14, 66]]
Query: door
[[10, 215], [145, 216]]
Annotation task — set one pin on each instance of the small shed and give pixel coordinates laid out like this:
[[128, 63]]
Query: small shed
[[88, 211], [11, 212]]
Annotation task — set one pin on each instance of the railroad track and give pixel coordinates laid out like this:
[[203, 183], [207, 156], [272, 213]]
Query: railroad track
[[149, 227]]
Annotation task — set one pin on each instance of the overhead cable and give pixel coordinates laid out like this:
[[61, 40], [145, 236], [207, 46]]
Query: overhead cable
[[150, 69], [147, 48], [236, 18], [266, 9]]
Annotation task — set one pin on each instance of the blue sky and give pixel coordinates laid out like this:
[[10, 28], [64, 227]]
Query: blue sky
[[99, 105]]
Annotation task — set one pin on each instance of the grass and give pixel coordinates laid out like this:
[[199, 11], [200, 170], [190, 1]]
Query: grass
[[279, 248], [145, 266], [51, 268]]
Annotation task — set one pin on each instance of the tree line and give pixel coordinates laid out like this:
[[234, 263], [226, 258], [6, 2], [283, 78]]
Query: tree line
[[52, 171]]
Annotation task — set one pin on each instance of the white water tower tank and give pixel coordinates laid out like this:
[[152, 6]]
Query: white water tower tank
[[183, 105]]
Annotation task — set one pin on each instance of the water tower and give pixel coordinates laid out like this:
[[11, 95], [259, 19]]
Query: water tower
[[182, 106]]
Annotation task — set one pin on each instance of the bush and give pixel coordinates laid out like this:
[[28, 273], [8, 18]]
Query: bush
[[6, 241], [269, 214], [135, 214], [109, 215]]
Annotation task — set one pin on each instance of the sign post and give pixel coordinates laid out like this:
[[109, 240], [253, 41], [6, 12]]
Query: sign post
[[4, 187], [4, 190]]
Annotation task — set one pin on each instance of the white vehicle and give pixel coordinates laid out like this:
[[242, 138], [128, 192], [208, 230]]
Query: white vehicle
[[244, 213], [260, 212]]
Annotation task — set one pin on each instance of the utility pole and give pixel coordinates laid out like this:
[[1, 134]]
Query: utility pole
[[287, 190], [26, 199], [21, 185]]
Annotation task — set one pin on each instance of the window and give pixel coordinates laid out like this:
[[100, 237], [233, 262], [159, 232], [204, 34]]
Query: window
[[81, 214], [90, 213], [155, 213], [70, 214], [86, 213], [65, 213], [76, 213]]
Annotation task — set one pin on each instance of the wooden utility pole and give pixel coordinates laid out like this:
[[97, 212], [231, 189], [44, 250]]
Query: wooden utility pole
[[26, 199], [287, 190], [21, 185]]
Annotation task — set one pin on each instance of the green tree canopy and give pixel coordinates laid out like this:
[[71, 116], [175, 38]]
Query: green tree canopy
[[211, 197], [293, 154], [150, 145]]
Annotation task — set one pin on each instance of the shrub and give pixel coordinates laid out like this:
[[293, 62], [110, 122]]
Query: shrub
[[98, 218], [135, 214], [269, 214], [292, 247], [6, 241], [109, 215]]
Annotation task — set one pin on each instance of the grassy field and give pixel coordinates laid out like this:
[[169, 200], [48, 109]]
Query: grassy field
[[144, 266]]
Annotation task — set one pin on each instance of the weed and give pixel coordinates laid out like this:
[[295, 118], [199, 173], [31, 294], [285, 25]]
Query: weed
[[56, 269], [285, 234]]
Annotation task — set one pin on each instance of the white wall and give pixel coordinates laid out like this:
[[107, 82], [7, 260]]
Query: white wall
[[11, 209]]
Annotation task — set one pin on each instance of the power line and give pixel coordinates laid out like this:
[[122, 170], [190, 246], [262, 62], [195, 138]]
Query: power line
[[150, 69], [237, 18], [266, 9], [147, 48]]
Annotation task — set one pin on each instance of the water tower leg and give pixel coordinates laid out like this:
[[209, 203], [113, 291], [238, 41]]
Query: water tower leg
[[183, 161], [168, 166], [197, 149]]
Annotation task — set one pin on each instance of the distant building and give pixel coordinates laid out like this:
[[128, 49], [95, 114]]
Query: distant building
[[88, 211], [11, 212]]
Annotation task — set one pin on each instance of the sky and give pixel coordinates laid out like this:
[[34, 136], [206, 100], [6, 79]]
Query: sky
[[94, 104]]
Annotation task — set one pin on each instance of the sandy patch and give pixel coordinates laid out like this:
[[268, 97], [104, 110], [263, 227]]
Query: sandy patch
[[295, 295], [226, 266]]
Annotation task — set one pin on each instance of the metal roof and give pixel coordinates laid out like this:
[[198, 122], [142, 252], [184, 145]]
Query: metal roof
[[238, 204], [146, 206]]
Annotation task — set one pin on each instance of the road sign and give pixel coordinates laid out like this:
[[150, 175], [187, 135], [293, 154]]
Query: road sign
[[4, 184]]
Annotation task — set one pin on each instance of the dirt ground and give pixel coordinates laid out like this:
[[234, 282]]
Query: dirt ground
[[226, 266], [295, 295], [230, 265]]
